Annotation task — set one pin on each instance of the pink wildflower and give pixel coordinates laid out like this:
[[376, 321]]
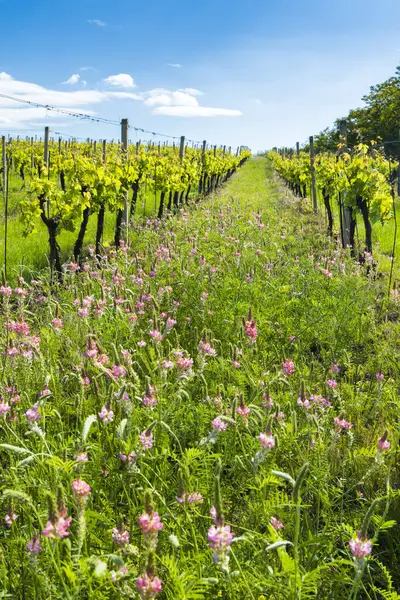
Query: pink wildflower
[[106, 415], [220, 539], [267, 440], [251, 330], [150, 523], [57, 323], [120, 536], [81, 488], [149, 399], [276, 523], [288, 367], [148, 586], [342, 424], [219, 424], [146, 439], [34, 546], [383, 443], [206, 348], [360, 547], [82, 458], [9, 518], [32, 414], [118, 371], [156, 336]]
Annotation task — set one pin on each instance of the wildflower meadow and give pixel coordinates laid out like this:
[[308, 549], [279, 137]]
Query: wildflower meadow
[[210, 411]]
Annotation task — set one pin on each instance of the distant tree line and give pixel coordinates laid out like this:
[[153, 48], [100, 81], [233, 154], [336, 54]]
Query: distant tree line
[[378, 120]]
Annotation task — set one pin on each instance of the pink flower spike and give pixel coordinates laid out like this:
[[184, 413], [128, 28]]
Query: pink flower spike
[[34, 546], [81, 488], [150, 523], [288, 367], [360, 547], [383, 443], [276, 523], [106, 415], [219, 424], [267, 440], [48, 531], [120, 536]]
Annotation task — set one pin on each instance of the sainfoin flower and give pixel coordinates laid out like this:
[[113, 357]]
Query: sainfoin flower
[[150, 522], [146, 439], [32, 414], [81, 488], [148, 586], [120, 536], [156, 336], [243, 411], [267, 440], [276, 523], [220, 538], [341, 423], [106, 415], [10, 518], [149, 399], [60, 529], [360, 547], [219, 424], [193, 498], [34, 546], [118, 371], [383, 443], [251, 330], [206, 348], [288, 367]]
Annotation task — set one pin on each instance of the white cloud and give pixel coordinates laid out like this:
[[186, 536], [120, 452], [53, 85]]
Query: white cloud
[[160, 96], [73, 79], [87, 69], [5, 77], [175, 65], [12, 113], [191, 91], [97, 22], [122, 80], [195, 111], [182, 103]]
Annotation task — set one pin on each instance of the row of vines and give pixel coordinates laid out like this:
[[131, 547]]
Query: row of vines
[[77, 180], [360, 181]]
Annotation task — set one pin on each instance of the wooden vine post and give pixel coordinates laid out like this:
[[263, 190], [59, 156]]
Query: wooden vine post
[[313, 182], [124, 144]]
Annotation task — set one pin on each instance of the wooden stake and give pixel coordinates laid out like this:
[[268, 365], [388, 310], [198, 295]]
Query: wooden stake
[[182, 148], [124, 142], [312, 168], [46, 146]]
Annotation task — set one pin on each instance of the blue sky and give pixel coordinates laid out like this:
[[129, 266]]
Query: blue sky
[[259, 73]]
